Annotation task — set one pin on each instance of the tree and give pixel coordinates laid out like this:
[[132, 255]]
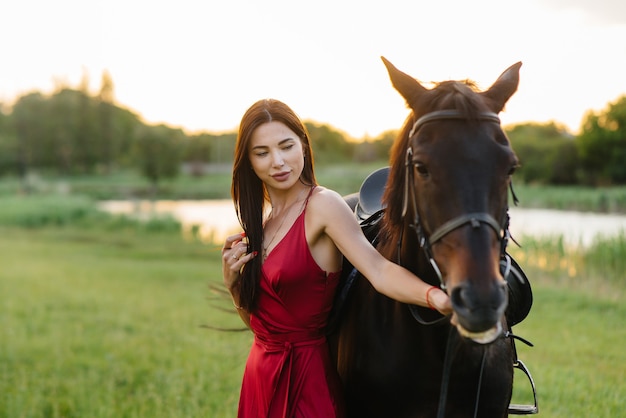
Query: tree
[[86, 136], [329, 145], [105, 121], [223, 148], [198, 153], [547, 153], [30, 131], [69, 136], [384, 142], [376, 149], [158, 152], [8, 145], [602, 144]]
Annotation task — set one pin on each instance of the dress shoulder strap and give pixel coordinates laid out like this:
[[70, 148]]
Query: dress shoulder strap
[[306, 202]]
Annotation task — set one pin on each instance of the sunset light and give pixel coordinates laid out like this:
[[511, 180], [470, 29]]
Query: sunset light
[[199, 65]]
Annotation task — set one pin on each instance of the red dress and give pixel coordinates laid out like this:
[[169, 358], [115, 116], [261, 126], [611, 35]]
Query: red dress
[[289, 372]]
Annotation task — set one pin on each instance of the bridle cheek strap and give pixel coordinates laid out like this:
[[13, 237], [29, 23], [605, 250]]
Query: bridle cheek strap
[[408, 165]]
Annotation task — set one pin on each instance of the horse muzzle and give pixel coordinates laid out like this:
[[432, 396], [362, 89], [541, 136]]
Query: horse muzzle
[[478, 315]]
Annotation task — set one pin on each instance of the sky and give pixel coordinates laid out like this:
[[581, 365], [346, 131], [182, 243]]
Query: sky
[[200, 64]]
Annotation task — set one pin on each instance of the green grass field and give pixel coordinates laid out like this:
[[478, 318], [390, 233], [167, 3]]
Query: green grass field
[[101, 322], [109, 324], [105, 317]]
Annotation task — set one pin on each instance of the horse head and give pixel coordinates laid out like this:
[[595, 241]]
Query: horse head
[[451, 167]]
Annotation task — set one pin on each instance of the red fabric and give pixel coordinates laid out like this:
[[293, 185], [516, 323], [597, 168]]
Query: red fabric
[[289, 373]]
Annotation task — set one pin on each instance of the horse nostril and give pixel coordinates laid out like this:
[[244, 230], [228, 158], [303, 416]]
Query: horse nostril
[[459, 298], [478, 311]]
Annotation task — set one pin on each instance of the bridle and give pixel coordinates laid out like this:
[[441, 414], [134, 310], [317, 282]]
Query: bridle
[[475, 219]]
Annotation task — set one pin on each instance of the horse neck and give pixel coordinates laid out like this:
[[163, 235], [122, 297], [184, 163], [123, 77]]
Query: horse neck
[[402, 247]]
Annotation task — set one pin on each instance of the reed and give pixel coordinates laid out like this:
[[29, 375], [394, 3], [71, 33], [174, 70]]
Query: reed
[[597, 270], [577, 198]]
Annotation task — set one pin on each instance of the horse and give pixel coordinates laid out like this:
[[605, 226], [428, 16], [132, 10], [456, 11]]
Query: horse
[[444, 216]]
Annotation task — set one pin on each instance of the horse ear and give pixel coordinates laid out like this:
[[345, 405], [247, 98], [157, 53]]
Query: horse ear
[[504, 87], [406, 85]]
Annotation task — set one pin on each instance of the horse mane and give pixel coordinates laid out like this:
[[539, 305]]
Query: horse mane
[[462, 96]]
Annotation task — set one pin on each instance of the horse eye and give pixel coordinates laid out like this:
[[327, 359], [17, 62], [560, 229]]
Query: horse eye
[[512, 170], [421, 169]]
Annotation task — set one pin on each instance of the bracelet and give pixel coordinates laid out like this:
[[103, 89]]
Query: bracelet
[[427, 300]]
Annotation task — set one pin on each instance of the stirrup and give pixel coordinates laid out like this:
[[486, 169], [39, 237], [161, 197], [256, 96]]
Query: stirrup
[[517, 409]]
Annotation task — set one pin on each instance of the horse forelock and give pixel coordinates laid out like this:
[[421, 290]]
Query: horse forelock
[[462, 96]]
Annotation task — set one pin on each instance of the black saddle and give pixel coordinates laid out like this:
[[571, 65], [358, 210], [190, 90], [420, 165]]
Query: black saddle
[[371, 194]]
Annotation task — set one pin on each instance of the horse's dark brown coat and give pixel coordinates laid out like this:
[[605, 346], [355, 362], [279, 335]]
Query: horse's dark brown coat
[[391, 366]]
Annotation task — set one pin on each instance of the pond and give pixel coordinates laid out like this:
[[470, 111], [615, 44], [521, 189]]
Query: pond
[[215, 219], [576, 228], [211, 220]]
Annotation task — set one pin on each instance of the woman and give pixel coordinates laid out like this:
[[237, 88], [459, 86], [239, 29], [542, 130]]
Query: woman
[[283, 270]]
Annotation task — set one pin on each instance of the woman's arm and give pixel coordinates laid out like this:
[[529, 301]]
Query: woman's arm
[[385, 276]]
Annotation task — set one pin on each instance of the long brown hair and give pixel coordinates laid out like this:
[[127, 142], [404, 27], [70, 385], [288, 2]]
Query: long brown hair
[[248, 191]]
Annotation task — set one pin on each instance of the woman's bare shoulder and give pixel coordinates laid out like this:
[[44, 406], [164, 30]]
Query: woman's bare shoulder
[[324, 197], [329, 207]]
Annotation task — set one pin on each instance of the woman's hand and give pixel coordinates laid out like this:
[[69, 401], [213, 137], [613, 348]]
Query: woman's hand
[[234, 256], [438, 299]]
